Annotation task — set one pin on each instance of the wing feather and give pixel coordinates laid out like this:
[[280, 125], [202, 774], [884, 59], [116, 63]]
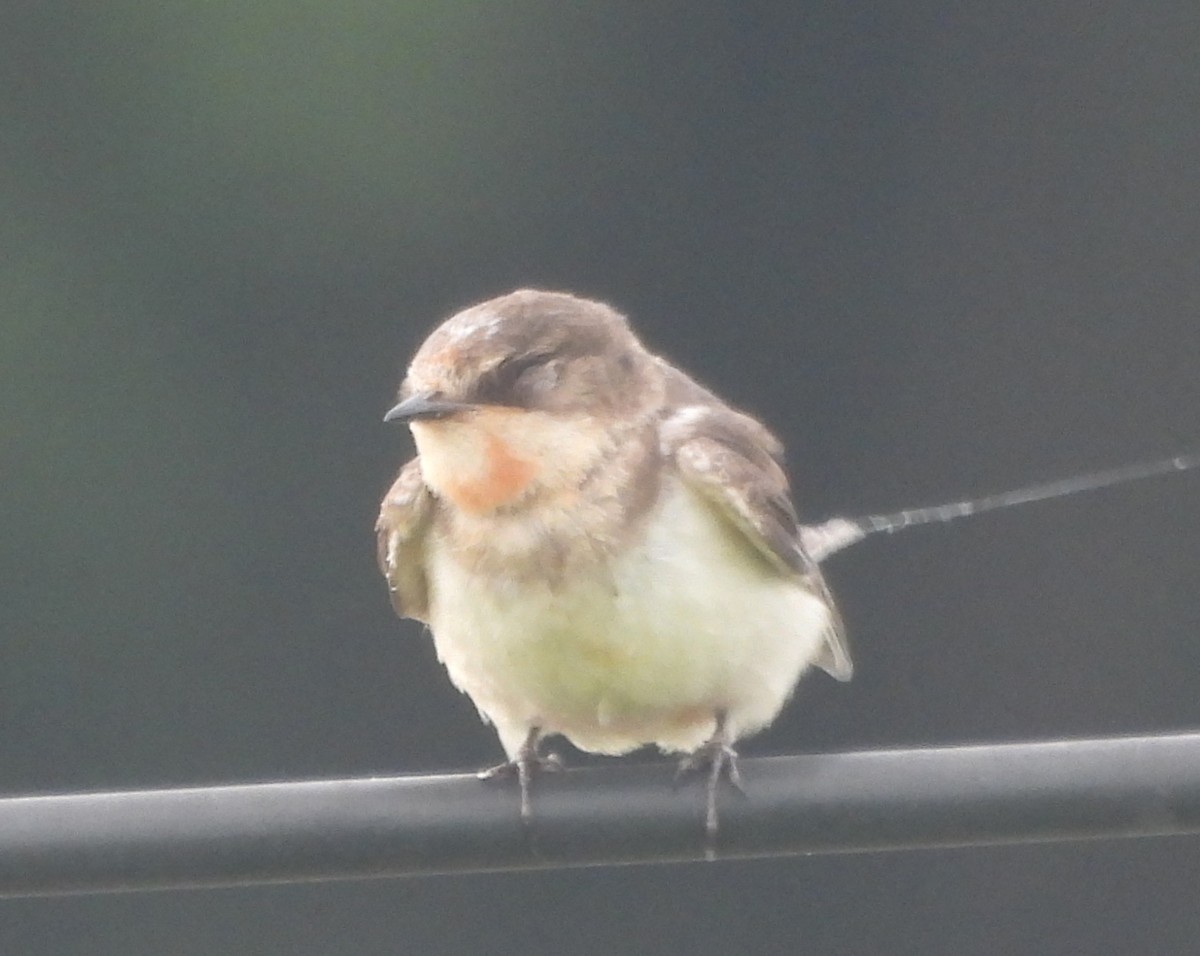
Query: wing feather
[[736, 464], [404, 517]]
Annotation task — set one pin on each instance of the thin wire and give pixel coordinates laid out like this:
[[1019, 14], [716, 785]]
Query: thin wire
[[898, 520]]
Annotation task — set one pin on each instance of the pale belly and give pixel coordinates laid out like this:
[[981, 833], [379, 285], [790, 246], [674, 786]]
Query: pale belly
[[645, 650]]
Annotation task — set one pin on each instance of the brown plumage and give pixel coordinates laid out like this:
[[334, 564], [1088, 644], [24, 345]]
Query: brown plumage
[[602, 548]]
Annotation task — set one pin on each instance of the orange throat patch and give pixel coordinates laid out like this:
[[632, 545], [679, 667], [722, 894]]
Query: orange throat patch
[[503, 479]]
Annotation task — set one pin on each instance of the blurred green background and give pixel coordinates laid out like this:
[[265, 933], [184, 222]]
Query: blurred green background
[[941, 248]]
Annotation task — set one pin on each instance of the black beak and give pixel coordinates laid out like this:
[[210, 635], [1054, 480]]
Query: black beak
[[423, 407]]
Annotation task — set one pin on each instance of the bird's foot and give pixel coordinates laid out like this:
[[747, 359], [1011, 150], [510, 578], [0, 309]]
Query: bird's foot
[[525, 765], [716, 759]]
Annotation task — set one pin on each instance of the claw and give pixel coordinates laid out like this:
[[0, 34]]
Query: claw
[[716, 758], [525, 764]]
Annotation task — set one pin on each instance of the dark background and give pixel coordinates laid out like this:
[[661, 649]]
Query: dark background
[[942, 248]]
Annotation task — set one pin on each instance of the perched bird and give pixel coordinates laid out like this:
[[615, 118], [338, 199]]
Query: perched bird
[[601, 547]]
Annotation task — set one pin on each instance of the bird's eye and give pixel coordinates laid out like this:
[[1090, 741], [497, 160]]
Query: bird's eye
[[516, 377]]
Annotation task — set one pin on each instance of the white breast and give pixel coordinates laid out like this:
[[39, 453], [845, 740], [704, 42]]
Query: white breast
[[644, 649]]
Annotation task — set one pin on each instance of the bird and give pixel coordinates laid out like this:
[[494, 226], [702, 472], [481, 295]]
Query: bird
[[602, 549]]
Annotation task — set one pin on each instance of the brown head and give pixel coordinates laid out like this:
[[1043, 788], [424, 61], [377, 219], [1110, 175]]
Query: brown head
[[523, 394]]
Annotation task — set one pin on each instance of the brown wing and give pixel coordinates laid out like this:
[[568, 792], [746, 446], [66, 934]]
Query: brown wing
[[735, 463], [404, 516]]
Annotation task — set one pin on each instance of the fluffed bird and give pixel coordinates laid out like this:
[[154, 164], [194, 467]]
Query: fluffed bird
[[601, 547]]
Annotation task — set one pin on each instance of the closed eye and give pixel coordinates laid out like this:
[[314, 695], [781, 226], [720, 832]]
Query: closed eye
[[500, 386]]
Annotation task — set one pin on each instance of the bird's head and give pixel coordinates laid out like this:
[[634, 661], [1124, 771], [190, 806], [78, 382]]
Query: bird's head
[[526, 390]]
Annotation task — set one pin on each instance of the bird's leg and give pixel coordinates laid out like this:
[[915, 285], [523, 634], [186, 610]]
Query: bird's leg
[[524, 764], [716, 758]]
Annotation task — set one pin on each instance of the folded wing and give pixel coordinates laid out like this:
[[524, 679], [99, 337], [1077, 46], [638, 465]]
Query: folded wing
[[404, 517], [736, 465]]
